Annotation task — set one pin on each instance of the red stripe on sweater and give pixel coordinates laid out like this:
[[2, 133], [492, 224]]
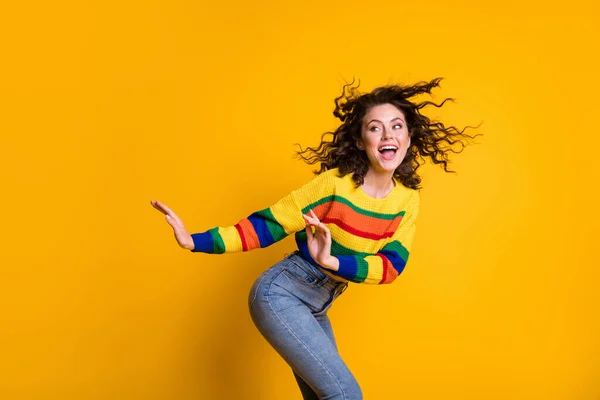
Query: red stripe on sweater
[[356, 232], [385, 268], [242, 237]]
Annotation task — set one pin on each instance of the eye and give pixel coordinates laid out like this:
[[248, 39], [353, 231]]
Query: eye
[[373, 128], [398, 126]]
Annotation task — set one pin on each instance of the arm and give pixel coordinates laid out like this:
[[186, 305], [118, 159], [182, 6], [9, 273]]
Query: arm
[[265, 227], [389, 262]]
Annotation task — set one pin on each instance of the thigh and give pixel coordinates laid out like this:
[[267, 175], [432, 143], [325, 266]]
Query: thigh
[[307, 392], [325, 324], [288, 323]]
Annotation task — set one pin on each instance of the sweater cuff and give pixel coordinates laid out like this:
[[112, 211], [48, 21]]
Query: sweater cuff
[[348, 268], [203, 242]]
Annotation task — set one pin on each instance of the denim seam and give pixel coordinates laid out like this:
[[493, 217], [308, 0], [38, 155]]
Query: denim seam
[[258, 287], [303, 345]]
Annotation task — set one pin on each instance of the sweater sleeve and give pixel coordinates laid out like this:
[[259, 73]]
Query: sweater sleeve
[[267, 226], [389, 262]]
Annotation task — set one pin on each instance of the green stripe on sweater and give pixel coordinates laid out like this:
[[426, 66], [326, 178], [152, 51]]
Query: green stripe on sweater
[[274, 227], [362, 269], [219, 245], [397, 247], [336, 248], [359, 210]]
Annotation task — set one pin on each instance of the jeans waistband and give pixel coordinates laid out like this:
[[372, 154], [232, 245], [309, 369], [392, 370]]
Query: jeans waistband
[[337, 286]]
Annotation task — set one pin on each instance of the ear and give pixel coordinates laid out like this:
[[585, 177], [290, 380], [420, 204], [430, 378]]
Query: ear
[[359, 144]]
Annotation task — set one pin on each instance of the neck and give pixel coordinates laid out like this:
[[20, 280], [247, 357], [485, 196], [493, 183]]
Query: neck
[[379, 184]]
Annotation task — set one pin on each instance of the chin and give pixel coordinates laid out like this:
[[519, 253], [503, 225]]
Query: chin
[[386, 168]]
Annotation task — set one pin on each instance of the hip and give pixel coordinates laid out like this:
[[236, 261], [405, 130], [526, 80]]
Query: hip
[[295, 279]]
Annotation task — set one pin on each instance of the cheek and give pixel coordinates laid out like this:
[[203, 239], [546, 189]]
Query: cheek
[[368, 143]]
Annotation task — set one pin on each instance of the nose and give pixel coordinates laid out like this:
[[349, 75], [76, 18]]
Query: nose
[[385, 134]]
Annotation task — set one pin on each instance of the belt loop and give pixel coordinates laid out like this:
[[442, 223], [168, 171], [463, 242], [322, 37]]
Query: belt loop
[[340, 289]]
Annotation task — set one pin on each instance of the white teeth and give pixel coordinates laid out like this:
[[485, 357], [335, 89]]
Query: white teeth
[[388, 148]]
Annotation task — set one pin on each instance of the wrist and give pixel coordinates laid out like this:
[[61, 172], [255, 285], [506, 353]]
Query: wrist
[[331, 263]]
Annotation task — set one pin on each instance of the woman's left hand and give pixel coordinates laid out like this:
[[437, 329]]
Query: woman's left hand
[[319, 242]]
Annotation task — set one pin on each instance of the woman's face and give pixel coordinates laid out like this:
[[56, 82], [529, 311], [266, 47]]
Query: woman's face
[[384, 137]]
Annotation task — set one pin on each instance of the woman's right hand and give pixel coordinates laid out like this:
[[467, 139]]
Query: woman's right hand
[[181, 235]]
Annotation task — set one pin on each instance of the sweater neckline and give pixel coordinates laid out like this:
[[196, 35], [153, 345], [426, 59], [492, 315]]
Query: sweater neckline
[[392, 192]]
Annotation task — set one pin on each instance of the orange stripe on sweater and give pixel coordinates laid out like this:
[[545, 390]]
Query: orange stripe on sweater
[[357, 221], [356, 232], [249, 237], [389, 272]]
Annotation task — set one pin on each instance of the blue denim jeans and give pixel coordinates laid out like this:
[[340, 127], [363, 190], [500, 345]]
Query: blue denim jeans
[[288, 304]]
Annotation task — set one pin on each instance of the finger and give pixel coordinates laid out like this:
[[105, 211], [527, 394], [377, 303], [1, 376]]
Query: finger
[[164, 207], [312, 213], [309, 233], [168, 211], [310, 221], [160, 207], [156, 205], [319, 225], [322, 232], [170, 220], [326, 233]]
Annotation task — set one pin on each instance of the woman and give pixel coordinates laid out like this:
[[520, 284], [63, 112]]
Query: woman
[[353, 222]]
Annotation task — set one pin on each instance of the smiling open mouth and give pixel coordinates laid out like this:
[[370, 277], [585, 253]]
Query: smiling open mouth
[[388, 152]]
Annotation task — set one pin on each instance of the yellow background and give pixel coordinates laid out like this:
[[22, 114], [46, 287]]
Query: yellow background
[[106, 105]]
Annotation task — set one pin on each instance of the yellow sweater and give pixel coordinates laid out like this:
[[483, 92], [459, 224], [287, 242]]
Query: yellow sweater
[[370, 237]]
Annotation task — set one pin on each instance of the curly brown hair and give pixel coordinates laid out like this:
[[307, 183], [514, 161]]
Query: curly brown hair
[[429, 139]]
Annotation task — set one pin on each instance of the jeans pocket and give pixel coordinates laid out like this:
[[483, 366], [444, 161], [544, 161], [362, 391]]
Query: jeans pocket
[[299, 274]]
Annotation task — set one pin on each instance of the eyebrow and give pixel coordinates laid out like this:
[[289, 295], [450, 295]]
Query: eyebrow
[[376, 120]]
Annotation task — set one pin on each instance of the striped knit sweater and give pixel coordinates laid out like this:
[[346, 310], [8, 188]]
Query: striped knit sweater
[[370, 237]]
